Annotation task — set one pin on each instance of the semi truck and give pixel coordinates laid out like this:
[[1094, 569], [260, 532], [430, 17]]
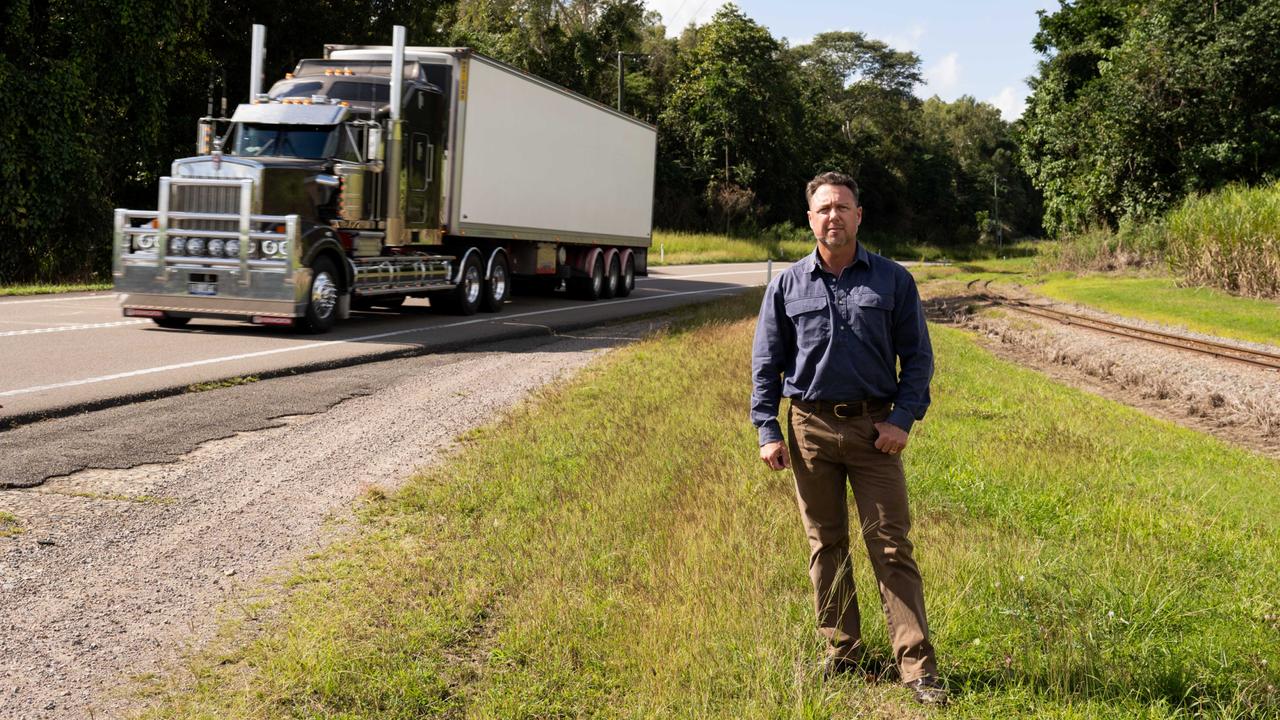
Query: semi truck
[[378, 173]]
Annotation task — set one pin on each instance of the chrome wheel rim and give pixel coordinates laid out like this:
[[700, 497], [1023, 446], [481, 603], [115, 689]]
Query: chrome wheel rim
[[472, 282], [498, 283], [324, 295]]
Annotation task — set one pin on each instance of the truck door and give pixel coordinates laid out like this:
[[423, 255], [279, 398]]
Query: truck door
[[424, 136]]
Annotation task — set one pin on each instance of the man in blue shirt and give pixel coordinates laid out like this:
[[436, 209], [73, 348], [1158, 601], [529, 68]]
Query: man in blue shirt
[[832, 331]]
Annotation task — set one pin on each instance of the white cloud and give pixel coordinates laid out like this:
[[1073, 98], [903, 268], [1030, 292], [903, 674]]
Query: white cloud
[[677, 14], [907, 41], [942, 78], [1011, 102]]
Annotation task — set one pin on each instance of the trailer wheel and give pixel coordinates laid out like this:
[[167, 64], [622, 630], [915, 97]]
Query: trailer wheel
[[171, 323], [613, 280], [592, 286], [498, 287], [322, 300], [465, 298], [628, 280]]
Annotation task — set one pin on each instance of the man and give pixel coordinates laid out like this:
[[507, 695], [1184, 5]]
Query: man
[[832, 329]]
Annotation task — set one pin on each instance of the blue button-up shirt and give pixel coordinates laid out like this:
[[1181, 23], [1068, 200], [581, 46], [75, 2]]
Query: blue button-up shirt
[[820, 337]]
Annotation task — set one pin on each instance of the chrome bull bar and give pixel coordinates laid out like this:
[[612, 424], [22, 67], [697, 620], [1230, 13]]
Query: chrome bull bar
[[244, 220]]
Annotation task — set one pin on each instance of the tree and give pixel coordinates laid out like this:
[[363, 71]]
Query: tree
[[731, 121], [1138, 104]]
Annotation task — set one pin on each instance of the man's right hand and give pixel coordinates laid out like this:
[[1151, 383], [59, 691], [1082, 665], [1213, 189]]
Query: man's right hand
[[775, 455]]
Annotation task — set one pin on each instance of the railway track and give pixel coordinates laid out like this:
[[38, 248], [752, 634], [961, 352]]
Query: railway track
[[1256, 358]]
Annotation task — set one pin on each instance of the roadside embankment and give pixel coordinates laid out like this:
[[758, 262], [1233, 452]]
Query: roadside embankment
[[614, 548]]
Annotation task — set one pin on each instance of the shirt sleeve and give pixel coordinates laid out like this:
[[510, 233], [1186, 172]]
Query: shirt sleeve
[[915, 356], [769, 352]]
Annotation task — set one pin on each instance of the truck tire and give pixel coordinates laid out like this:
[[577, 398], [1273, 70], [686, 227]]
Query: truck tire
[[612, 279], [322, 298], [171, 323], [465, 298], [628, 282], [592, 286], [497, 288]]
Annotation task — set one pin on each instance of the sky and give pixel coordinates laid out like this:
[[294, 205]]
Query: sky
[[980, 48]]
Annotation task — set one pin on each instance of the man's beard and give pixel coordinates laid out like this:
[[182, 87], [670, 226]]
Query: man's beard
[[841, 241]]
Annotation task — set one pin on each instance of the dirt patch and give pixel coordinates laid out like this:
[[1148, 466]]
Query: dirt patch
[[117, 571], [1230, 400]]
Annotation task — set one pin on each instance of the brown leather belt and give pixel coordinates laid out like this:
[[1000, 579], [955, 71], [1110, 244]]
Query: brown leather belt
[[844, 409]]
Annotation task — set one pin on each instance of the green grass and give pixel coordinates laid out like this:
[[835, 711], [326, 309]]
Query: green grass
[[615, 549], [792, 243], [680, 248], [47, 289], [10, 525], [1159, 299]]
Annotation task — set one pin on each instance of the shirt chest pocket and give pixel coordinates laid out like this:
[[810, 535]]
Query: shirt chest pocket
[[812, 320], [872, 315]]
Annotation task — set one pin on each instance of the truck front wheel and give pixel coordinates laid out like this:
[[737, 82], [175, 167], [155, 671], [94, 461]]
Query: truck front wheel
[[498, 287], [322, 300]]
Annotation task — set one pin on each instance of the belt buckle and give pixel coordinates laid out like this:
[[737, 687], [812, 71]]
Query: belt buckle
[[837, 410]]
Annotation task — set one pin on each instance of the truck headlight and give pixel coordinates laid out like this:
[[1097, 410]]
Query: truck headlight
[[275, 248], [233, 248], [144, 242], [195, 246], [177, 246], [215, 247]]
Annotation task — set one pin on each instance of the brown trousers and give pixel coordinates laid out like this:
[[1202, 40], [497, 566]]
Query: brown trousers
[[825, 451]]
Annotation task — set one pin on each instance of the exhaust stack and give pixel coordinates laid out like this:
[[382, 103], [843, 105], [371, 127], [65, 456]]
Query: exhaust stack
[[257, 51], [395, 207]]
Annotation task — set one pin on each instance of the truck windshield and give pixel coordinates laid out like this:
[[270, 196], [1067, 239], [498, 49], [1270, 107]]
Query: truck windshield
[[301, 141]]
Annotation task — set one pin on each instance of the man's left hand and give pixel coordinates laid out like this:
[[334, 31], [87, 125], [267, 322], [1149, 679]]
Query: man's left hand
[[892, 438]]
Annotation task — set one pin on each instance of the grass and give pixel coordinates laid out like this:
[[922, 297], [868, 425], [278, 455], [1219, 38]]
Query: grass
[[615, 549], [1160, 299], [1228, 239], [681, 248], [785, 242], [47, 289], [10, 525]]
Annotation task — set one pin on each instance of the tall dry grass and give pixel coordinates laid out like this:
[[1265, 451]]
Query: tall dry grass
[[1229, 239]]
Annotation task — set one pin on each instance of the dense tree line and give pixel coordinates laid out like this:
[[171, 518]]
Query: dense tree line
[[1139, 103], [103, 94]]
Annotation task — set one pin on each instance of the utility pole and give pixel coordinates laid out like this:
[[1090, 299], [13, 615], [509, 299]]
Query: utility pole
[[995, 193], [619, 81]]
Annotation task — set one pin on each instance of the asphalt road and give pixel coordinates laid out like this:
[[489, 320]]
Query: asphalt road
[[62, 354]]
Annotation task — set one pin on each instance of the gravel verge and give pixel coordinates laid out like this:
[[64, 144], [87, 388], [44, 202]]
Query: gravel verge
[[117, 571], [1233, 401]]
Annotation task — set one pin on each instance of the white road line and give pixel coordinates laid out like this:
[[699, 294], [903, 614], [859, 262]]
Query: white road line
[[327, 343], [761, 271], [85, 297], [93, 326]]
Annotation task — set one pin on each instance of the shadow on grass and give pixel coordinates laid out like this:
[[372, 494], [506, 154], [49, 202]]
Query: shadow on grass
[[1177, 688]]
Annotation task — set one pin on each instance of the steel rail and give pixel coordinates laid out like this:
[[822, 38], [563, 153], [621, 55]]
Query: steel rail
[[1259, 358]]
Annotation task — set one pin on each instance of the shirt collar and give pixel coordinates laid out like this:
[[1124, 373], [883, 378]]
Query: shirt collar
[[814, 262]]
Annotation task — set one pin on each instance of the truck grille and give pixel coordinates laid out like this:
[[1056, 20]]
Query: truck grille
[[188, 198]]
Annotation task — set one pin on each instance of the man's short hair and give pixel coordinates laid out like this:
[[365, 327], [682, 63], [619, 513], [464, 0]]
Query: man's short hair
[[831, 178]]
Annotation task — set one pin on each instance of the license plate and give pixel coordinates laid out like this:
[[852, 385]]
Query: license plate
[[202, 288]]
